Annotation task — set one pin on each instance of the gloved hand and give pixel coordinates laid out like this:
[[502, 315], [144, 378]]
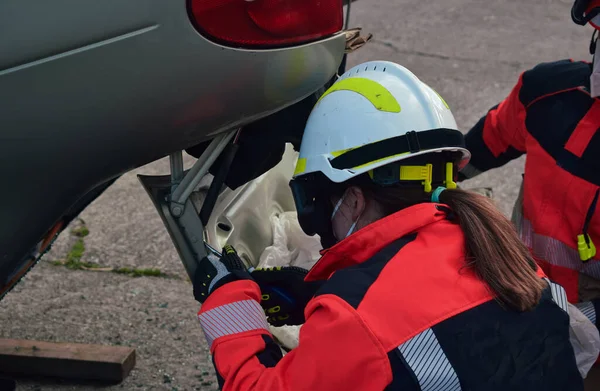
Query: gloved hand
[[284, 293], [213, 272]]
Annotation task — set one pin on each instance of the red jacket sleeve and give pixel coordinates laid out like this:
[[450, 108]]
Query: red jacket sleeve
[[336, 349], [499, 136]]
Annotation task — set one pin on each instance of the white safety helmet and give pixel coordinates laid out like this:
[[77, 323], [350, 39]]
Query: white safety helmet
[[374, 116], [382, 105]]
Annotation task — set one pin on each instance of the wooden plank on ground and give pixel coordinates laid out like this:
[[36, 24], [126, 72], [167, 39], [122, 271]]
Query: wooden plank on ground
[[66, 360]]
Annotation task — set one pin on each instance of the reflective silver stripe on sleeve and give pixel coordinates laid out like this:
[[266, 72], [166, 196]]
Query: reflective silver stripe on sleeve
[[556, 252], [558, 295], [231, 319], [588, 310], [425, 357]]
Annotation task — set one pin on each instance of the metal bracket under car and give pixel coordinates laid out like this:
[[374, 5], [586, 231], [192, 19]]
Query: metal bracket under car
[[171, 197]]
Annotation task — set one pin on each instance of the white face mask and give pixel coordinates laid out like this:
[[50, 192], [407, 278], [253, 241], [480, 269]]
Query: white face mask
[[595, 78], [335, 210]]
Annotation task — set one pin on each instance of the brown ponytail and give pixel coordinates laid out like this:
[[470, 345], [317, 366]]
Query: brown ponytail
[[493, 247], [495, 251]]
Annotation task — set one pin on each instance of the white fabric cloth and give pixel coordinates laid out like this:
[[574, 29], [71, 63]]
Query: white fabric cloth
[[291, 247], [585, 340]]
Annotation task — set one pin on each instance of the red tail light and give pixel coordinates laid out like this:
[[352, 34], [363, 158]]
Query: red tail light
[[267, 23]]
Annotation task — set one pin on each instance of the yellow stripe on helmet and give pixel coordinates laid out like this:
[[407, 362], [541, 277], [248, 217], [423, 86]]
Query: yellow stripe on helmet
[[378, 95]]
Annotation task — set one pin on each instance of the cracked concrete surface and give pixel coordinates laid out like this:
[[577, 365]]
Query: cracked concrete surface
[[470, 51]]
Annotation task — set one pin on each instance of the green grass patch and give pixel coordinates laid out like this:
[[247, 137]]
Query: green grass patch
[[73, 258], [80, 232], [132, 272], [73, 261], [77, 251]]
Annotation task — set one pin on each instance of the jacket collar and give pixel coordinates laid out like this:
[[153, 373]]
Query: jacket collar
[[366, 242]]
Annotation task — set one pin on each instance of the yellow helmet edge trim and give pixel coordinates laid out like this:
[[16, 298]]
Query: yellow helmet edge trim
[[443, 100], [300, 166]]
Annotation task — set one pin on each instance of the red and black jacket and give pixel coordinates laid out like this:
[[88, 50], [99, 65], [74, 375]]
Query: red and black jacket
[[551, 117], [399, 311]]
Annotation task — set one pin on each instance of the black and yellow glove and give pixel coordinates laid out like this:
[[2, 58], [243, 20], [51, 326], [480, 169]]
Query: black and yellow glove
[[213, 272], [285, 294]]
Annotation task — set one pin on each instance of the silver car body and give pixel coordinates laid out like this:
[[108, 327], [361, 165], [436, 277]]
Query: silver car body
[[90, 90]]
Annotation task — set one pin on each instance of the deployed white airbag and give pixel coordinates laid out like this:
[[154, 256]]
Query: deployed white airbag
[[291, 247]]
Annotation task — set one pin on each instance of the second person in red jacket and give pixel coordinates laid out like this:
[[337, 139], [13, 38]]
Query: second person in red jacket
[[552, 116]]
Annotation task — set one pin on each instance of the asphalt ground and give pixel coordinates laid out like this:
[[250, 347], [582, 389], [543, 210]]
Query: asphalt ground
[[471, 52]]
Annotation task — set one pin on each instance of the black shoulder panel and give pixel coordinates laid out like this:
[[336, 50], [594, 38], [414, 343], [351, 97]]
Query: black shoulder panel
[[552, 120], [551, 77], [495, 349], [590, 156]]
